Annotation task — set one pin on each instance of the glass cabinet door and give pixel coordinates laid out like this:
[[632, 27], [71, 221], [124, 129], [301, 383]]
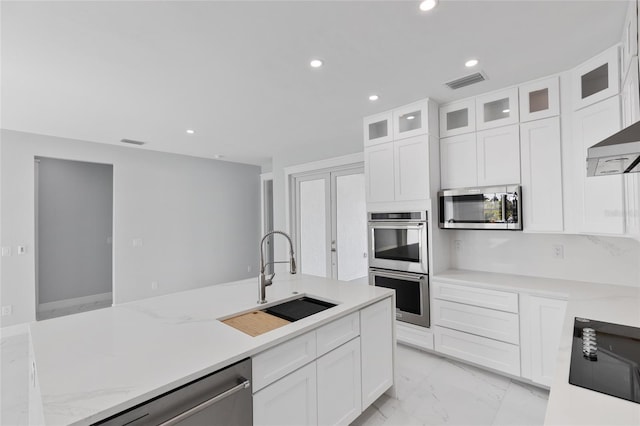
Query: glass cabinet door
[[378, 128], [458, 118], [497, 109], [596, 79], [540, 99], [410, 120]]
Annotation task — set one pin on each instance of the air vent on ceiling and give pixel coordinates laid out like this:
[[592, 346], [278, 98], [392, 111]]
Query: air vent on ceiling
[[132, 142], [467, 80]]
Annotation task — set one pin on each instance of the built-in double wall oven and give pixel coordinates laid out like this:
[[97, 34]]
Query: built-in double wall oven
[[398, 259]]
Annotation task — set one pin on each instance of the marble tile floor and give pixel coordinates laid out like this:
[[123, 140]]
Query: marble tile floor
[[432, 390], [59, 312], [14, 379]]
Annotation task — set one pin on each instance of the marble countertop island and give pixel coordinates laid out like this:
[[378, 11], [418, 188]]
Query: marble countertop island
[[569, 404], [92, 365]]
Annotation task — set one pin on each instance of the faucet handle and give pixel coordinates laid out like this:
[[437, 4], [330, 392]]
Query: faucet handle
[[269, 280]]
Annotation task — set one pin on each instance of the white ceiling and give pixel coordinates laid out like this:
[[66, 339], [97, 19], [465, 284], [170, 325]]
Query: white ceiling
[[237, 72]]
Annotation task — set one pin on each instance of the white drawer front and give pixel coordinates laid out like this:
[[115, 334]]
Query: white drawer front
[[485, 322], [340, 331], [492, 299], [480, 350], [274, 363], [413, 336]]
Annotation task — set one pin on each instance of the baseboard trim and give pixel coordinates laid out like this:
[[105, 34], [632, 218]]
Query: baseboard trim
[[67, 303]]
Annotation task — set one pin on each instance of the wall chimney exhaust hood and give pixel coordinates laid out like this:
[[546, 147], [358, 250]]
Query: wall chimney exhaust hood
[[619, 153]]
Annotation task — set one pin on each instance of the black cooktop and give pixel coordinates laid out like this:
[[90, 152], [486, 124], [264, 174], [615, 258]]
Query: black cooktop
[[605, 357]]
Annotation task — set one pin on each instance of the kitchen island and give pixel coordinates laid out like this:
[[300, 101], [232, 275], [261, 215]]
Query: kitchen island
[[90, 366]]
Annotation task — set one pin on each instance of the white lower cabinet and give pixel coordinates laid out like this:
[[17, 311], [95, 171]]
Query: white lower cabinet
[[541, 326], [413, 335], [339, 395], [376, 340], [291, 400]]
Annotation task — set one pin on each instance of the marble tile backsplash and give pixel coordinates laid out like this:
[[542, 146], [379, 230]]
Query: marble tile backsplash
[[610, 260]]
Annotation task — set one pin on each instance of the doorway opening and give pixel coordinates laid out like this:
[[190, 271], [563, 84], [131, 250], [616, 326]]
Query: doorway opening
[[330, 222], [73, 230]]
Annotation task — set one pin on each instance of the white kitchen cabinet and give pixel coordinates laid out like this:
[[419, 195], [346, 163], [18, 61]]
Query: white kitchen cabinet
[[498, 153], [458, 118], [412, 120], [541, 326], [497, 109], [458, 161], [600, 198], [630, 100], [379, 173], [339, 396], [337, 332], [291, 400], [413, 335], [541, 169], [411, 168], [596, 79], [472, 295], [629, 42], [376, 341], [539, 99], [378, 128]]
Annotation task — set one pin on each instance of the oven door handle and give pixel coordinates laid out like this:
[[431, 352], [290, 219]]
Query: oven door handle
[[411, 277], [394, 225]]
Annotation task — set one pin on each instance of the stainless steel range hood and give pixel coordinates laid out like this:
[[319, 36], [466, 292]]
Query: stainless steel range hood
[[619, 153]]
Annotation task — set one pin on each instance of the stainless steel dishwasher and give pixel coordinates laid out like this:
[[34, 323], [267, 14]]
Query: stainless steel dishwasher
[[220, 398]]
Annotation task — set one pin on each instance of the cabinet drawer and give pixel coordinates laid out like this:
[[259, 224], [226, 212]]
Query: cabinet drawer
[[419, 336], [336, 333], [479, 350], [274, 363], [484, 322], [486, 298]]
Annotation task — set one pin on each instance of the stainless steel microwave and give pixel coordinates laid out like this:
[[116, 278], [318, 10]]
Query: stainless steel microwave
[[487, 207]]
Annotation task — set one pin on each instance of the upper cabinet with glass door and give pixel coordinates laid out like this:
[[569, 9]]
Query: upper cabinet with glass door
[[378, 128], [413, 120], [596, 79], [458, 118], [497, 109], [540, 99]]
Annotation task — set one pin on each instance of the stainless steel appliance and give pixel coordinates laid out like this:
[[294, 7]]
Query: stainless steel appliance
[[619, 153], [605, 357], [487, 207], [398, 241], [221, 398], [412, 294]]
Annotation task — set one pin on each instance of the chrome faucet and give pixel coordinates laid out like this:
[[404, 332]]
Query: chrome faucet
[[263, 280]]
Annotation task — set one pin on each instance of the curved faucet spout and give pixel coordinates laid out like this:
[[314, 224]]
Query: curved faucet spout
[[265, 281]]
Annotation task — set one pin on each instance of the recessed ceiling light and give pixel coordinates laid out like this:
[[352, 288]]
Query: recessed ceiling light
[[428, 5], [506, 110], [471, 63], [374, 97], [190, 131], [316, 63], [411, 117]]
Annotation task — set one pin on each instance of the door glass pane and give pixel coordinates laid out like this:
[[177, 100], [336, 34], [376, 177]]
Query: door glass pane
[[407, 293], [397, 244], [595, 81], [496, 110], [410, 121], [351, 227], [313, 234], [539, 100], [378, 130], [457, 119]]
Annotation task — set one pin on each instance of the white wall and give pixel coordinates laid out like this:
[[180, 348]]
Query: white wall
[[75, 220], [611, 260], [198, 219]]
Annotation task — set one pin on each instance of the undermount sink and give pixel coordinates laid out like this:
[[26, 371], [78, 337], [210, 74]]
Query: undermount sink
[[257, 322], [294, 310]]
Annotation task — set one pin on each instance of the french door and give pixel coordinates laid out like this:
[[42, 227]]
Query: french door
[[331, 223]]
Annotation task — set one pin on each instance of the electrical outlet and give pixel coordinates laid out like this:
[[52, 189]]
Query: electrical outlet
[[22, 250], [7, 310], [6, 251], [249, 268], [558, 251], [457, 244], [154, 285]]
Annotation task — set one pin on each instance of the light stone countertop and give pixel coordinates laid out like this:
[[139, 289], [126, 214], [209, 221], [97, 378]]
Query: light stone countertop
[[569, 404], [96, 364]]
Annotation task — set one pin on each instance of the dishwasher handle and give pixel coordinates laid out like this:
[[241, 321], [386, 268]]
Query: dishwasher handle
[[209, 402]]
